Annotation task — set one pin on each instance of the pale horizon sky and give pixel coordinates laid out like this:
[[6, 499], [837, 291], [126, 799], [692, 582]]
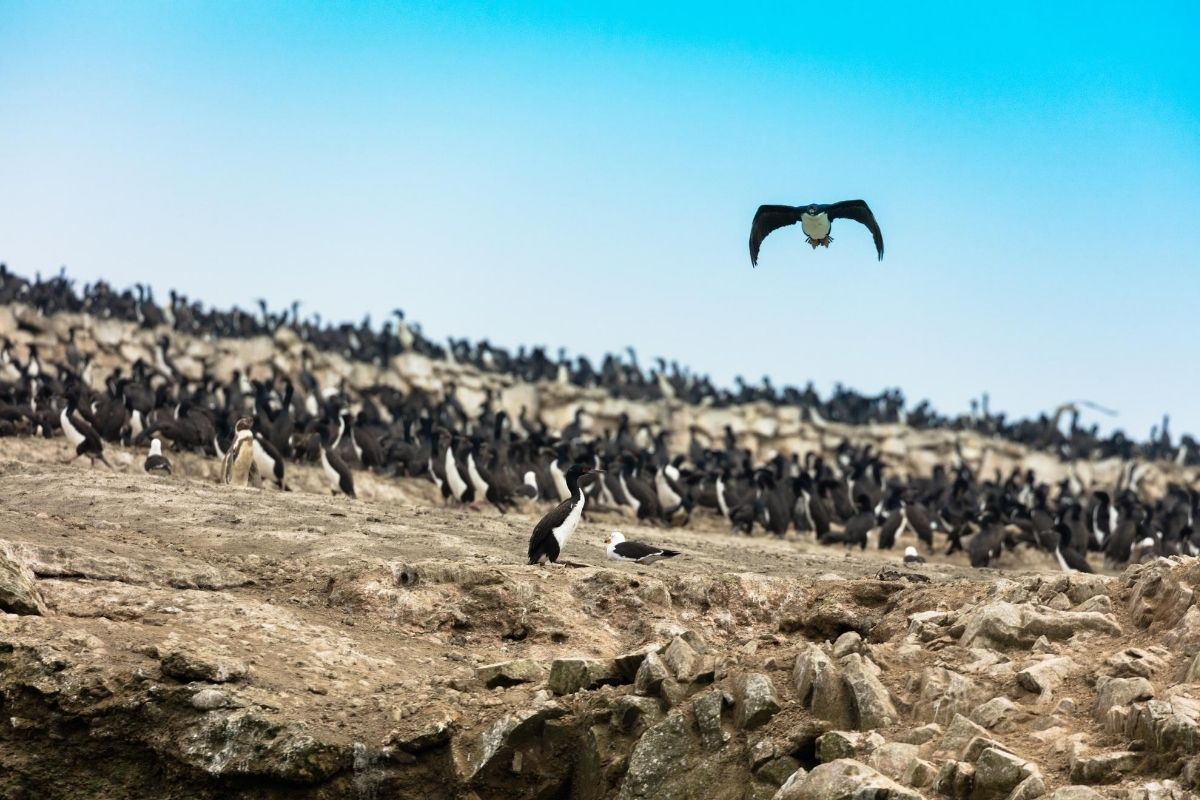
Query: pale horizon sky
[[586, 177]]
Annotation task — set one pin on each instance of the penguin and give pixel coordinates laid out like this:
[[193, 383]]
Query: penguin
[[269, 461], [338, 474], [553, 531], [156, 461], [81, 435], [239, 464], [620, 550]]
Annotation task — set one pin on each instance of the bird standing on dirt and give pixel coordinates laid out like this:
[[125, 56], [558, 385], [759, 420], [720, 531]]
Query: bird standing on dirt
[[239, 459], [81, 435], [551, 533]]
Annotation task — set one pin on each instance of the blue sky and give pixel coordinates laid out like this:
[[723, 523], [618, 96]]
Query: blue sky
[[585, 177]]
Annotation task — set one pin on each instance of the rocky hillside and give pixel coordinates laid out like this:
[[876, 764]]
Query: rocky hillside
[[760, 427], [172, 637]]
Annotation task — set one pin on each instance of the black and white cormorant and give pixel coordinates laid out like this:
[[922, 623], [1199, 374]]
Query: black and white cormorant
[[814, 220]]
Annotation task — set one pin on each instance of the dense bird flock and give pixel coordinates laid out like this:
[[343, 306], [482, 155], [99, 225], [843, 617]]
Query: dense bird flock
[[847, 499]]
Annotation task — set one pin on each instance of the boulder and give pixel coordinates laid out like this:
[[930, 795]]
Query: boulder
[[1076, 793], [1134, 662], [754, 700], [998, 714], [632, 711], [510, 673], [872, 704], [892, 759], [810, 662], [997, 773], [474, 753], [650, 675], [1104, 767], [658, 756], [18, 593], [570, 675], [833, 745], [1046, 675], [959, 734], [190, 665], [1004, 625], [849, 642], [1120, 692], [938, 694], [707, 710], [847, 779]]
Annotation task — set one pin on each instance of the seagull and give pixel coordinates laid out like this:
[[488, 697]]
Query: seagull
[[814, 220], [621, 550], [156, 461]]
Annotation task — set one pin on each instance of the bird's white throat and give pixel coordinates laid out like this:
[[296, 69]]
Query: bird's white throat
[[815, 226]]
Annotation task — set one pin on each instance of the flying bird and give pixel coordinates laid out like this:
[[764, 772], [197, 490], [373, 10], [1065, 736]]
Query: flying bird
[[814, 220]]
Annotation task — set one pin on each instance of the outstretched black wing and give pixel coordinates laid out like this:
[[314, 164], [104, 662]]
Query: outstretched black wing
[[767, 219], [859, 211]]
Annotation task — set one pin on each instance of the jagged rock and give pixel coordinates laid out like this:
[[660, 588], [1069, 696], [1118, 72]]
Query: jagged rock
[[847, 779], [681, 659], [430, 728], [209, 699], [831, 698], [790, 787], [998, 714], [775, 772], [629, 663], [1193, 671], [811, 661], [959, 734], [631, 711], [922, 734], [1046, 675], [570, 675], [849, 642], [1162, 592], [18, 593], [1173, 724], [1100, 602], [1104, 767], [892, 759], [1076, 793], [1183, 636], [1120, 692], [238, 743], [674, 692], [833, 745], [919, 773], [1028, 789], [475, 753], [1154, 790], [1060, 602], [707, 710], [1134, 662], [657, 756], [510, 673], [997, 772], [754, 701], [938, 694], [955, 779], [650, 675], [872, 704], [185, 665], [1003, 625]]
